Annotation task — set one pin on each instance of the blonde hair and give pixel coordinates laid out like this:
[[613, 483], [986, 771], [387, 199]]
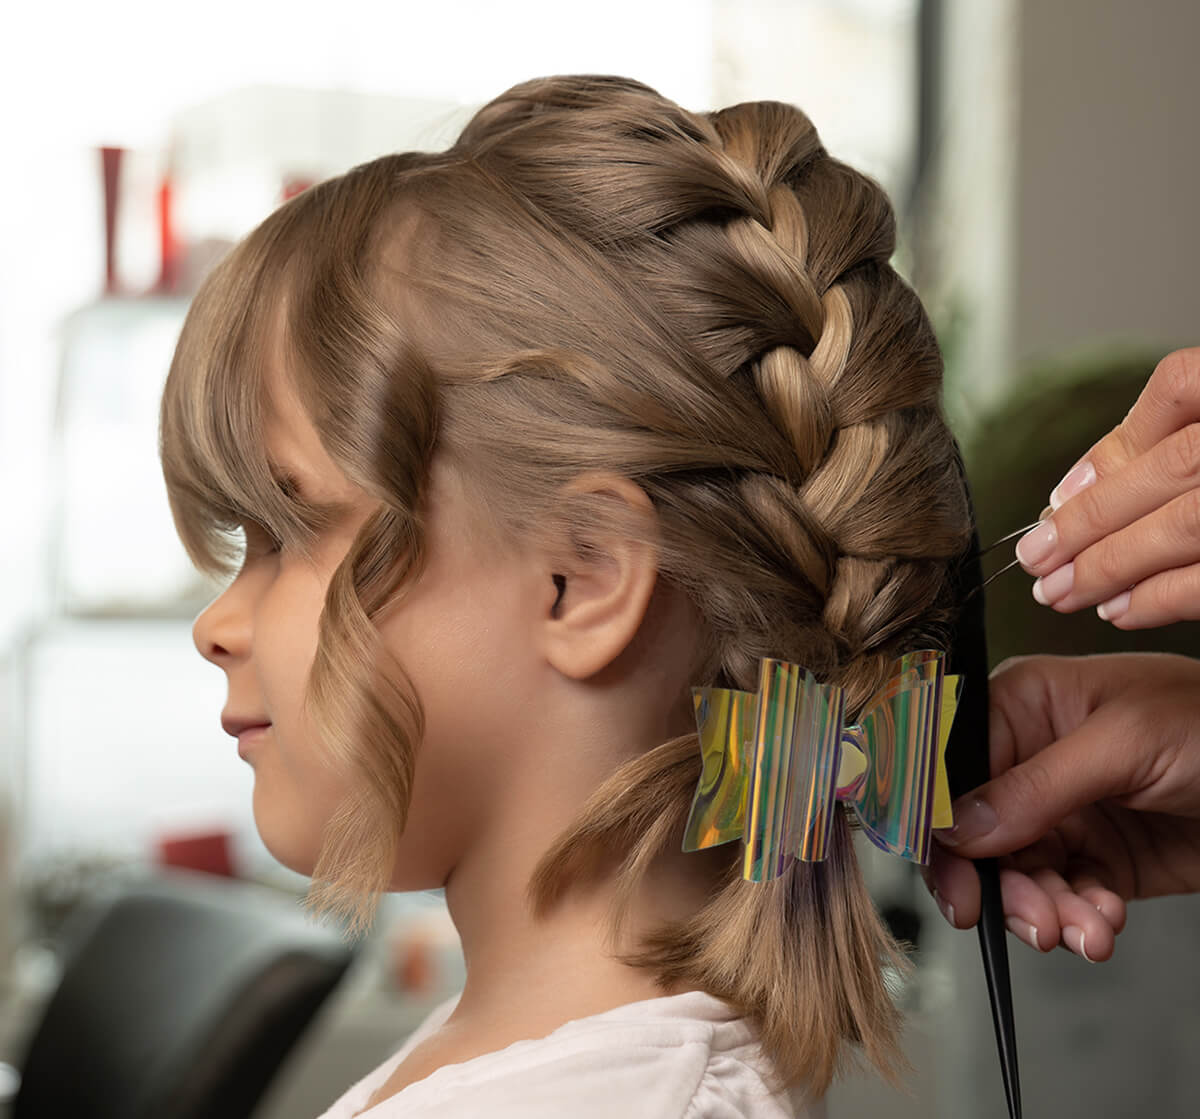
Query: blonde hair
[[592, 278]]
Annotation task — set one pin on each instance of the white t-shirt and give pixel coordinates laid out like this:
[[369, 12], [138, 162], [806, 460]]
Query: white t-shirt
[[677, 1057]]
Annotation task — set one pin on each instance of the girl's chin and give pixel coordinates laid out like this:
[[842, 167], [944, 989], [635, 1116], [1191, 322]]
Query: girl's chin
[[283, 835]]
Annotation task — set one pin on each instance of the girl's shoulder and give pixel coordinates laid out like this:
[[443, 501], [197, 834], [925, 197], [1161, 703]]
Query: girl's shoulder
[[688, 1056]]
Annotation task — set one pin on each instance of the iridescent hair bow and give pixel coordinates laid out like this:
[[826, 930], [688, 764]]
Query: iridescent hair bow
[[775, 762]]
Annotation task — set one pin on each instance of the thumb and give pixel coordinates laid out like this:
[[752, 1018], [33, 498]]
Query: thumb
[[1024, 803]]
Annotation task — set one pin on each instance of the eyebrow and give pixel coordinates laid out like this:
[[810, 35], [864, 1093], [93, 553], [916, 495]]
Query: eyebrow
[[288, 481]]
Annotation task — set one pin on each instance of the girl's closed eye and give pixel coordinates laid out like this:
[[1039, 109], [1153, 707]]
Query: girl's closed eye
[[314, 516], [259, 541]]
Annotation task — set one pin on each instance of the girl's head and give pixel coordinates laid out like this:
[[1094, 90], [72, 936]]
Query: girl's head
[[607, 401]]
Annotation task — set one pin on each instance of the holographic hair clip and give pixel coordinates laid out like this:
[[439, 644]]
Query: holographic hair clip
[[775, 762]]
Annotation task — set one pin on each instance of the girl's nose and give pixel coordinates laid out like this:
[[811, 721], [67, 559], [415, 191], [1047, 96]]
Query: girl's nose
[[221, 632]]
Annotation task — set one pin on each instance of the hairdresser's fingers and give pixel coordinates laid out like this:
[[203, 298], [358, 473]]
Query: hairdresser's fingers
[[1030, 910], [1170, 596], [1099, 852], [1121, 500], [1041, 908], [1138, 521], [1081, 926], [1111, 906], [954, 884], [1147, 460], [1061, 730], [1047, 851], [1043, 865], [1165, 539], [1027, 801], [1170, 401]]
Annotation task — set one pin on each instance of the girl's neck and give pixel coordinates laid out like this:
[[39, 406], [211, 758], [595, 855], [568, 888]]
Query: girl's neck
[[546, 971], [561, 965]]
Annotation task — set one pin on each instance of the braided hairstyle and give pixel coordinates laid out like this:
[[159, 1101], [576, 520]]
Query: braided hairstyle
[[592, 278]]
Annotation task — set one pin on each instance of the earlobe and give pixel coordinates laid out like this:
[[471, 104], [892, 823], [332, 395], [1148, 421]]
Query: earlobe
[[603, 588]]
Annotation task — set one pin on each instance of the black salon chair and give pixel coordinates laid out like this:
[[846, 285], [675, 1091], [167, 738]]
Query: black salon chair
[[179, 998]]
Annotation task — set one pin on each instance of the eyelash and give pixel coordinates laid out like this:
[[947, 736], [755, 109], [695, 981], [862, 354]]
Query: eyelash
[[252, 528]]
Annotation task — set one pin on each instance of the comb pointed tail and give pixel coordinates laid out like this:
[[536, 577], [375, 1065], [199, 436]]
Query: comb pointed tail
[[968, 764], [993, 948]]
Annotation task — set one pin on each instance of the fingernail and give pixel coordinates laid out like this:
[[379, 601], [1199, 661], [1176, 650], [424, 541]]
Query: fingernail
[[972, 818], [1057, 585], [1024, 930], [1037, 544], [1075, 482], [1073, 938], [1111, 610], [946, 908]]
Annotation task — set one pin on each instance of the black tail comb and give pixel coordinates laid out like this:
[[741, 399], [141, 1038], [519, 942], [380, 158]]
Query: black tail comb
[[968, 766]]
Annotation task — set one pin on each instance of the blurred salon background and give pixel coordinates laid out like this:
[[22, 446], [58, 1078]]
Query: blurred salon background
[[1043, 157]]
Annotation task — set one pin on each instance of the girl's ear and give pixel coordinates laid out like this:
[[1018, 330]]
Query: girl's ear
[[601, 585]]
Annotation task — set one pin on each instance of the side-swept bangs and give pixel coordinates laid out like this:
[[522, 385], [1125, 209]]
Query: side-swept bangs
[[214, 407], [293, 299]]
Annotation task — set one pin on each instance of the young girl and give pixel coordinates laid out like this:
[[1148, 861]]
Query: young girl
[[528, 439]]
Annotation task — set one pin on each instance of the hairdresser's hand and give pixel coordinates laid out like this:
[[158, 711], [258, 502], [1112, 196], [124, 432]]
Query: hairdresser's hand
[[1096, 797], [1125, 533]]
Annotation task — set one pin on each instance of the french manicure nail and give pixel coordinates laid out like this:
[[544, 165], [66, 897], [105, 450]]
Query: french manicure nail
[[1077, 480], [946, 908], [1111, 610], [1024, 930], [1057, 585], [972, 818], [1037, 544], [1073, 938]]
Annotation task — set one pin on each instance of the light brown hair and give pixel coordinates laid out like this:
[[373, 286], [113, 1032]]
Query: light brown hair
[[592, 278]]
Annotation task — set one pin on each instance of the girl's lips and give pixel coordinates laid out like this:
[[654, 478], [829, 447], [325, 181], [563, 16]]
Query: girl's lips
[[249, 736], [233, 725]]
